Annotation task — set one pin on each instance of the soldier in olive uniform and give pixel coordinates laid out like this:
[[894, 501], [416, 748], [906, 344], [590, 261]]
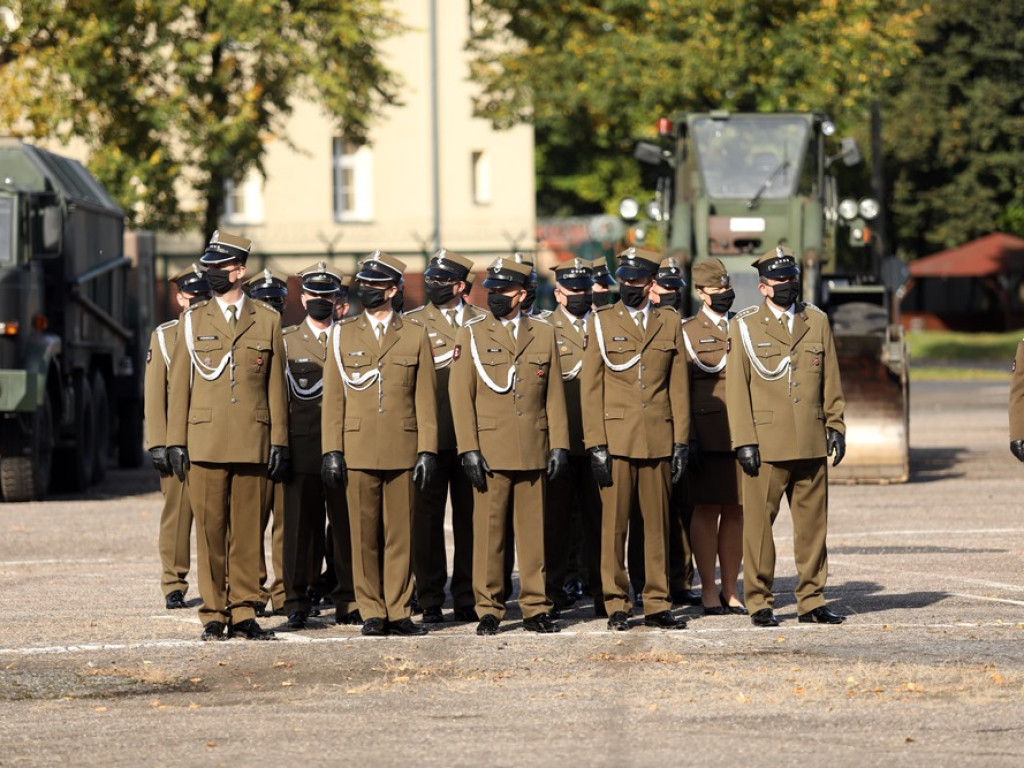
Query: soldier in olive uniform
[[379, 427], [512, 432], [1017, 404], [176, 518], [532, 283], [785, 405], [273, 290], [636, 423], [573, 495], [445, 284], [716, 530], [306, 503], [603, 282], [227, 427]]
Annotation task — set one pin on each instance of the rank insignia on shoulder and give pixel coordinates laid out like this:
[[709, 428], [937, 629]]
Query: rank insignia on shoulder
[[149, 355], [457, 352]]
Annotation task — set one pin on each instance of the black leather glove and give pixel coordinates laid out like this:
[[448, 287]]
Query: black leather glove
[[836, 443], [158, 455], [601, 465], [279, 465], [333, 471], [425, 471], [475, 466], [680, 455], [558, 462], [749, 458], [177, 455], [696, 456], [1017, 449]]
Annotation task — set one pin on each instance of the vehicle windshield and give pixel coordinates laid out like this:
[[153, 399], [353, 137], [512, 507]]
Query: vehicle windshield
[[750, 157], [6, 231]]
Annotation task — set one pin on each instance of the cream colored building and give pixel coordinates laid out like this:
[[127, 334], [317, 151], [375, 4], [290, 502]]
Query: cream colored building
[[333, 198]]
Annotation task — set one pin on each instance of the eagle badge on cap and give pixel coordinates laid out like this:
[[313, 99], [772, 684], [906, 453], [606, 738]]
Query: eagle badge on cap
[[498, 263]]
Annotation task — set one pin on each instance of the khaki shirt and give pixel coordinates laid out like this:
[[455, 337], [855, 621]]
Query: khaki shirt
[[1017, 395], [641, 411], [570, 357], [305, 359], [515, 429], [236, 416], [157, 385], [387, 413], [784, 409], [709, 423], [442, 347]]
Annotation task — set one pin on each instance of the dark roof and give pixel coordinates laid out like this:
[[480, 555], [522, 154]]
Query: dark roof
[[38, 170], [995, 254]]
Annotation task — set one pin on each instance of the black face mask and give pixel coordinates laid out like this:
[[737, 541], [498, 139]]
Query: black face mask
[[499, 304], [674, 300], [633, 296], [722, 302], [579, 304], [219, 281], [601, 299], [531, 296], [398, 302], [319, 309], [439, 293], [369, 297], [785, 294]]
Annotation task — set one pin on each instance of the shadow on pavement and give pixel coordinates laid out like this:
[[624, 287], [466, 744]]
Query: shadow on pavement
[[930, 464]]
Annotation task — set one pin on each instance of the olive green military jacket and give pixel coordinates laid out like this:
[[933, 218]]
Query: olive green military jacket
[[227, 399], [570, 358], [380, 401], [783, 390], [706, 360], [1017, 395], [304, 373], [442, 347], [642, 409], [158, 363], [509, 400]]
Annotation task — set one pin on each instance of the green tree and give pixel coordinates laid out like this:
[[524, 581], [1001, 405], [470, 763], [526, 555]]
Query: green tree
[[593, 75], [176, 97], [954, 127]]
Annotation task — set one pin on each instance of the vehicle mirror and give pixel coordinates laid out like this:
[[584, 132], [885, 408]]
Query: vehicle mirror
[[849, 151], [52, 231]]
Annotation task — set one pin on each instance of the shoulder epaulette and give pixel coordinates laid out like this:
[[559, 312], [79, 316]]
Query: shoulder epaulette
[[659, 309], [475, 319], [748, 311], [261, 303], [198, 305], [687, 320], [347, 320], [606, 307], [292, 328], [168, 325], [420, 308], [418, 321], [539, 319], [814, 308]]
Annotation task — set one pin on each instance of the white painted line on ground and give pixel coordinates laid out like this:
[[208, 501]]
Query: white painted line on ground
[[930, 576], [60, 561]]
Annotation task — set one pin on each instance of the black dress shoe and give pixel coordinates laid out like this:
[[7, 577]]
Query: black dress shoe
[[619, 621], [348, 618], [541, 623], [821, 615], [638, 600], [297, 620], [664, 620], [375, 627], [715, 610], [574, 589], [687, 597], [764, 618], [214, 630], [464, 614], [414, 605], [433, 615], [488, 625], [261, 609], [406, 627], [250, 630], [176, 599], [313, 611], [555, 612]]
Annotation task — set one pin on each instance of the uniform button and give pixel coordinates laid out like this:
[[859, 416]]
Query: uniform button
[[796, 399], [643, 405], [643, 367], [380, 410], [519, 413], [642, 385], [234, 400]]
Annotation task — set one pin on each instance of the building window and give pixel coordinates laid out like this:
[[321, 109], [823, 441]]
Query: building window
[[481, 178], [243, 202], [353, 181]]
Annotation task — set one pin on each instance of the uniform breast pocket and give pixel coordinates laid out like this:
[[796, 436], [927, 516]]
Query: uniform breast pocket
[[257, 353], [813, 357], [403, 368], [621, 352], [658, 355], [537, 369]]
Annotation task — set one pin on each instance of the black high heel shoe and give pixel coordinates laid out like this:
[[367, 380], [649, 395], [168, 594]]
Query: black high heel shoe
[[739, 610]]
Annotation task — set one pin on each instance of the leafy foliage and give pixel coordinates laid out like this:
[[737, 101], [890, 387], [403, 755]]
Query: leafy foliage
[[175, 98]]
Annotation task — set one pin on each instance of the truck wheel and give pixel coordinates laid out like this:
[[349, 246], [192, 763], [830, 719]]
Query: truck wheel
[[101, 423], [27, 478]]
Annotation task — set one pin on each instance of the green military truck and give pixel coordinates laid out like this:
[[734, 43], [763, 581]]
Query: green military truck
[[734, 185], [75, 312]]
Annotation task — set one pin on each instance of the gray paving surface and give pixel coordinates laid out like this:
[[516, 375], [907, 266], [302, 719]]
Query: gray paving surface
[[929, 669]]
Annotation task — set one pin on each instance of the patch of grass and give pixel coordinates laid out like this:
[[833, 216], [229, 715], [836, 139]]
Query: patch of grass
[[961, 346]]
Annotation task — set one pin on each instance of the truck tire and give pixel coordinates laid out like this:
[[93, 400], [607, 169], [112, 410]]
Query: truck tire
[[101, 424], [27, 478]]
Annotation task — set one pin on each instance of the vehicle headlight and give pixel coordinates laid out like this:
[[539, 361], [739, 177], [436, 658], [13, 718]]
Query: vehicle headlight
[[869, 208], [848, 208]]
